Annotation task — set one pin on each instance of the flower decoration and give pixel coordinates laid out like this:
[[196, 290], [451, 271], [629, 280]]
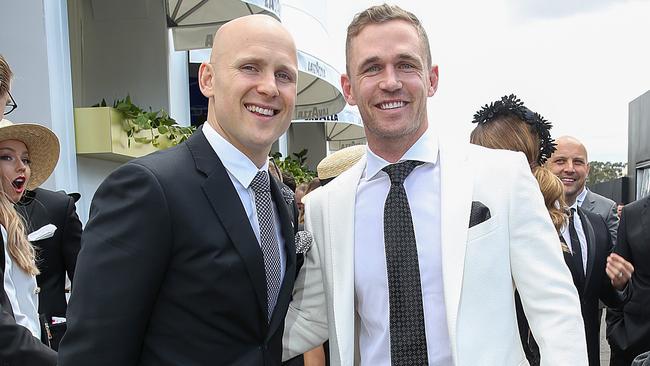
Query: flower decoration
[[511, 105]]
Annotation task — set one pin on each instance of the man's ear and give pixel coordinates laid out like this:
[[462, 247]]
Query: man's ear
[[206, 79], [433, 78], [347, 89]]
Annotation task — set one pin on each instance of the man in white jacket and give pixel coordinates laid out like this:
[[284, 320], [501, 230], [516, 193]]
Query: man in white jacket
[[418, 248]]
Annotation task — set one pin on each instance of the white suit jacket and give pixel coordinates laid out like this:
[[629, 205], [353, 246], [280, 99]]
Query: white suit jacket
[[517, 247]]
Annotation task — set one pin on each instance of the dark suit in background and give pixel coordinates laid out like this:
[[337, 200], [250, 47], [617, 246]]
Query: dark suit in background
[[170, 271], [17, 345], [56, 255], [597, 285], [628, 328]]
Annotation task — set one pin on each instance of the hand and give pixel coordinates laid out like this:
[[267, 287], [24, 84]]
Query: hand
[[619, 271]]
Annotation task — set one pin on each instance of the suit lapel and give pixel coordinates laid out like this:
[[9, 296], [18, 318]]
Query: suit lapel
[[456, 191], [290, 255], [223, 197], [590, 235], [340, 219]]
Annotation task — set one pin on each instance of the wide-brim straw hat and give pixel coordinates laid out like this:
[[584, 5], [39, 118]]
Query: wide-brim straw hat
[[340, 161], [42, 144]]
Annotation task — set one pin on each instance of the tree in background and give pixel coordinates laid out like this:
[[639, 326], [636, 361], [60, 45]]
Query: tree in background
[[604, 171]]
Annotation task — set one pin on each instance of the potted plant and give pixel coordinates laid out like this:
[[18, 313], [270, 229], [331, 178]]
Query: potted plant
[[125, 131]]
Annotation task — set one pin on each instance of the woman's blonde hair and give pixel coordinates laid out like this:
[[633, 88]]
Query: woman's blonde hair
[[553, 192], [19, 248], [5, 76]]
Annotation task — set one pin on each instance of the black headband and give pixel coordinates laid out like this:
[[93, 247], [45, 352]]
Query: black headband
[[512, 105]]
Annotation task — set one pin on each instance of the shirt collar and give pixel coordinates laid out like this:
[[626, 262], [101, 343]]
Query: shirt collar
[[425, 149], [581, 196], [238, 165]]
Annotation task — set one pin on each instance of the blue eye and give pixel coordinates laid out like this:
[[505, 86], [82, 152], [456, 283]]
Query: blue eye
[[250, 68], [373, 68], [285, 76]]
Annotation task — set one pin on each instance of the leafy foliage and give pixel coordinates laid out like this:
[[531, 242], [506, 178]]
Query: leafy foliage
[[164, 131], [296, 166], [604, 171]]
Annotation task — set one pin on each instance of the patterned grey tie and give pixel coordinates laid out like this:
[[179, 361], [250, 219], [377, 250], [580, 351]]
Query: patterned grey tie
[[408, 341], [268, 241]]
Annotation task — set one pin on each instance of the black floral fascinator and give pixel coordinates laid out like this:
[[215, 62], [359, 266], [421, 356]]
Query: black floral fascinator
[[511, 105]]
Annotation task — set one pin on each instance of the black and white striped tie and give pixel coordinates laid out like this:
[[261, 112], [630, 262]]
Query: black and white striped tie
[[268, 240]]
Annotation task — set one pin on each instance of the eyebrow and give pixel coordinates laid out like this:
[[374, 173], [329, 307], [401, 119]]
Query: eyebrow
[[400, 57]]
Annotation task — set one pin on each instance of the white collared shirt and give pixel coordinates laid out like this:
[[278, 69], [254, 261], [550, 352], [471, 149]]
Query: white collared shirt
[[581, 235], [21, 290], [241, 171], [581, 197], [370, 275]]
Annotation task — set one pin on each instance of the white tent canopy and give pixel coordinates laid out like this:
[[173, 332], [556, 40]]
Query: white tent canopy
[[342, 129], [194, 22]]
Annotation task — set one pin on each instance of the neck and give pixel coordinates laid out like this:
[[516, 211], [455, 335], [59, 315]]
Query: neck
[[392, 149], [257, 156]]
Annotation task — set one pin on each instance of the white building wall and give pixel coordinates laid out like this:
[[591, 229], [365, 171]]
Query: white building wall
[[34, 40]]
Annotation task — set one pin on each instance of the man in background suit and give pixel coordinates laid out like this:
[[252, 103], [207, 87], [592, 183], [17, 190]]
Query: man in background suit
[[571, 164], [597, 275], [415, 263], [57, 252], [188, 257], [628, 328]]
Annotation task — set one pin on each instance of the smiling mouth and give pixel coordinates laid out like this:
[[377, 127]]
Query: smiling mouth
[[568, 180], [19, 183], [391, 105], [269, 112]]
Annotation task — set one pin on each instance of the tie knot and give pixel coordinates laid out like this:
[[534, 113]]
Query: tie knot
[[260, 183], [399, 171]]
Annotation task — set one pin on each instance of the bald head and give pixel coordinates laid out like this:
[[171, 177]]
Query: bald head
[[251, 83], [573, 142], [250, 27], [569, 162]]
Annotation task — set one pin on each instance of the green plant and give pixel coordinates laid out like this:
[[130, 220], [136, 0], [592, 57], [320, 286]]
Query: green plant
[[295, 165], [164, 131]]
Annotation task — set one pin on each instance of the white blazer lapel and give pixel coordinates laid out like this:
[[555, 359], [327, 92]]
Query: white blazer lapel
[[456, 191], [341, 198]]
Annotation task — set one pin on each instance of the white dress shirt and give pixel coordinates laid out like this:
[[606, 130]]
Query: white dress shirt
[[581, 235], [370, 275], [241, 171], [21, 289]]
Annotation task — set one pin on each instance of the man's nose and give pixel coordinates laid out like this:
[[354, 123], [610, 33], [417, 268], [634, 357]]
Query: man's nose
[[268, 85], [391, 81]]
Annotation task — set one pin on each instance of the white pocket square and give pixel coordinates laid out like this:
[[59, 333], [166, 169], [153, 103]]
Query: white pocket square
[[45, 232]]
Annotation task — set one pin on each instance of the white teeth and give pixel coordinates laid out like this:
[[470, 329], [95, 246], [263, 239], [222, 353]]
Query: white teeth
[[260, 110], [392, 105]]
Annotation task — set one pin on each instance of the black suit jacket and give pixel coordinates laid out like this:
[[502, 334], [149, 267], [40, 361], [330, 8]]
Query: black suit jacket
[[57, 255], [628, 328], [597, 285], [17, 345], [170, 271]]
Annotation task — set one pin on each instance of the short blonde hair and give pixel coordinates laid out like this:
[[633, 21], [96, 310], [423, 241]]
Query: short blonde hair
[[380, 14]]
